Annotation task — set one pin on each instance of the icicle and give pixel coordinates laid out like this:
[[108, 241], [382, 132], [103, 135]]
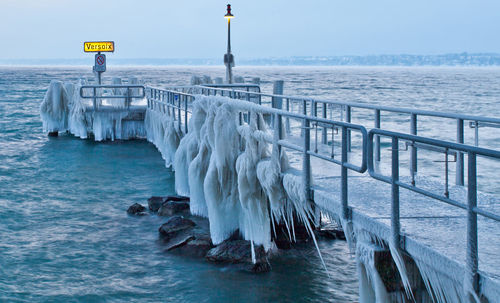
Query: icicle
[[54, 108]]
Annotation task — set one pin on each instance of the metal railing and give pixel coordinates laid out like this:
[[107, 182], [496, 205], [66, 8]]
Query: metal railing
[[472, 258], [126, 92], [176, 104], [319, 108]]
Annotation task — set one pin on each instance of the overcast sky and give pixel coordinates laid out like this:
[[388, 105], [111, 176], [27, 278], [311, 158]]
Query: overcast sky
[[261, 28]]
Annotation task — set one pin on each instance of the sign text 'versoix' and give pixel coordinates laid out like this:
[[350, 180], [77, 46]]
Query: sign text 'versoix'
[[101, 46]]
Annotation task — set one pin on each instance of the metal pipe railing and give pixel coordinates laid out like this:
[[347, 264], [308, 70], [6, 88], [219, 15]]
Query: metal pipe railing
[[127, 96], [475, 121], [471, 205], [370, 149]]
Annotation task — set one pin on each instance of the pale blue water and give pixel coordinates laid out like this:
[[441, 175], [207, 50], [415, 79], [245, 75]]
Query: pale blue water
[[64, 232]]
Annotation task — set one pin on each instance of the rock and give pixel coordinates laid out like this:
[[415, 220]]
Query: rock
[[171, 208], [174, 226], [331, 234], [180, 242], [238, 251], [136, 209], [177, 198], [260, 267], [195, 248], [282, 236], [155, 202]]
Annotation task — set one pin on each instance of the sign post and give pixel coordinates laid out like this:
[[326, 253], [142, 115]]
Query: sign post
[[100, 59]]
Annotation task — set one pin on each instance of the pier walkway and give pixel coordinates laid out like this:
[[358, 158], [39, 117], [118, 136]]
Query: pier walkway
[[353, 173], [388, 193]]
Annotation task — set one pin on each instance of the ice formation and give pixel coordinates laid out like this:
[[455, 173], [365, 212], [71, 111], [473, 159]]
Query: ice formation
[[63, 109], [54, 108], [230, 173]]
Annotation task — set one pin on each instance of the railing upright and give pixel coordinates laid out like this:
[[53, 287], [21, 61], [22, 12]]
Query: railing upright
[[306, 161], [460, 156], [324, 133], [348, 120], [377, 137], [413, 155], [395, 223], [344, 174], [186, 116], [472, 248]]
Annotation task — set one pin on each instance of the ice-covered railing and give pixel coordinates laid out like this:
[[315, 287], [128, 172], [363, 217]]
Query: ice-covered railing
[[176, 108], [125, 94], [323, 108], [178, 105], [113, 113], [472, 152]]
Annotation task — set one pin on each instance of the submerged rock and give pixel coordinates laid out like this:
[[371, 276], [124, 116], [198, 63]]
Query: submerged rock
[[331, 234], [174, 226], [155, 202], [180, 241], [260, 266], [236, 251], [136, 209], [197, 247], [170, 208]]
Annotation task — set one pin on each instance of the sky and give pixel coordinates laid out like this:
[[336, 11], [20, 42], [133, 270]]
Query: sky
[[49, 29]]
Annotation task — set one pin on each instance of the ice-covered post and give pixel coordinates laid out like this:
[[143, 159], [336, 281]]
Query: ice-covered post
[[277, 102], [460, 156], [228, 57]]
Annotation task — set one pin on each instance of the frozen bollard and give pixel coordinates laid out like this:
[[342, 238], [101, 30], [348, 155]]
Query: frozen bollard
[[207, 79], [195, 80], [54, 108]]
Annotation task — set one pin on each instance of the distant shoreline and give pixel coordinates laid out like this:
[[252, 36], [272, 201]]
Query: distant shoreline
[[456, 59]]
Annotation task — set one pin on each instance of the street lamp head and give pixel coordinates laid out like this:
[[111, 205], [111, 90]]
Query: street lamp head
[[229, 16]]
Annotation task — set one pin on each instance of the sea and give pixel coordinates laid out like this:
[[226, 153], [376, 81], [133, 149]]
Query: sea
[[65, 235]]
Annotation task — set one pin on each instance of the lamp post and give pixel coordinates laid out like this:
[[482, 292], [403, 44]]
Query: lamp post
[[228, 57]]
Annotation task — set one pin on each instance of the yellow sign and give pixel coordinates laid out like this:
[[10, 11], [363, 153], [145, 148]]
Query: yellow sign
[[101, 46]]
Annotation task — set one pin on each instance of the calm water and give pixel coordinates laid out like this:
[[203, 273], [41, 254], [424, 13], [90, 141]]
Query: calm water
[[64, 232]]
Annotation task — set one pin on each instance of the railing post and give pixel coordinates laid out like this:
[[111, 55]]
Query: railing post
[[459, 180], [395, 224], [179, 111], [306, 162], [324, 132], [348, 120], [186, 115], [127, 99], [377, 137], [413, 155], [287, 121], [344, 189], [476, 133], [304, 112], [472, 259]]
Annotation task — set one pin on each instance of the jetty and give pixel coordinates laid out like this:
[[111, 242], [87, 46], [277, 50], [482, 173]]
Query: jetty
[[415, 238]]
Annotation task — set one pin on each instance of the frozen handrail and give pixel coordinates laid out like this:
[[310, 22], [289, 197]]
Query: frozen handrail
[[128, 95], [472, 256], [174, 103], [314, 110]]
